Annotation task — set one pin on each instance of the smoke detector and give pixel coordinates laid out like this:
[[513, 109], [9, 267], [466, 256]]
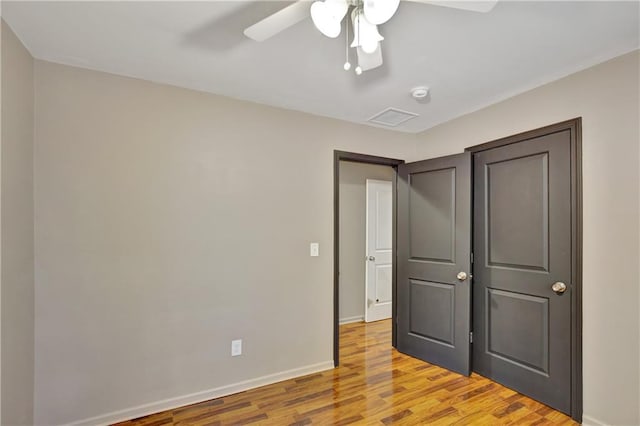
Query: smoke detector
[[419, 93]]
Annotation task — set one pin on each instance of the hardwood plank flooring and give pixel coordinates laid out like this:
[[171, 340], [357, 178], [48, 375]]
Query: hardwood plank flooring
[[374, 385]]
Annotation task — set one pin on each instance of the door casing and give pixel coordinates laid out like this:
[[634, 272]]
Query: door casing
[[575, 127], [339, 156]]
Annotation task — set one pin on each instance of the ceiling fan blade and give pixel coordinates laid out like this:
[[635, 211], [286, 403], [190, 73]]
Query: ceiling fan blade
[[279, 21], [482, 6], [369, 61]]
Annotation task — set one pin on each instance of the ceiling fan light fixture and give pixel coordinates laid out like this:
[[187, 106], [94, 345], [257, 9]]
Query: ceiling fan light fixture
[[338, 8], [369, 61], [326, 16], [366, 15], [365, 34], [369, 46], [380, 11]]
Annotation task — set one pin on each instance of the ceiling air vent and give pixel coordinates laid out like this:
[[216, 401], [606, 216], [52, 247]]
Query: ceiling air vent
[[392, 117]]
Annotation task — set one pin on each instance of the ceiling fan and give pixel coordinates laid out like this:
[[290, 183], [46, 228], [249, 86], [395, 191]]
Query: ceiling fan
[[366, 15]]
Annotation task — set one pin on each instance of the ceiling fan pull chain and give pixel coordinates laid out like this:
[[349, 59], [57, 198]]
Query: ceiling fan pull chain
[[347, 65], [358, 69]]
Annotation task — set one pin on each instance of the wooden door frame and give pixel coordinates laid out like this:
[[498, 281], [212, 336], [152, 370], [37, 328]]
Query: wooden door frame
[[353, 157], [575, 128]]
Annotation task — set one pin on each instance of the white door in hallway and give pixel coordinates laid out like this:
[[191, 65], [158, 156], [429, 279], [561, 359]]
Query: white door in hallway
[[379, 250]]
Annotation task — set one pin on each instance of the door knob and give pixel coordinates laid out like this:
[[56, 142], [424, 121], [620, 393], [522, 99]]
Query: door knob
[[372, 258], [461, 276], [559, 287]]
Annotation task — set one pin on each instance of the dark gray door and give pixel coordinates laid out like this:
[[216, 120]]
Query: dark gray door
[[434, 247], [522, 247]]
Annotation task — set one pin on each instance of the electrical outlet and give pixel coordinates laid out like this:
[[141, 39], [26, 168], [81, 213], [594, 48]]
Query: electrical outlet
[[236, 347], [314, 249]]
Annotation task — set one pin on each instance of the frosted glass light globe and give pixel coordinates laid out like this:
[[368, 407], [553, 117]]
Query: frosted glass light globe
[[380, 11]]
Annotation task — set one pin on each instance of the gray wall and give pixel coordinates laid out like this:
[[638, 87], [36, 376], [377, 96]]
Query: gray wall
[[16, 225], [353, 197], [606, 97], [169, 222]]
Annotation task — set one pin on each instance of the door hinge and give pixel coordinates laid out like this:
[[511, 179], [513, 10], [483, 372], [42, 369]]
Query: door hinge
[[471, 337]]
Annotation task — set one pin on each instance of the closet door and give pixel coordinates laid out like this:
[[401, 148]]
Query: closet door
[[522, 267]]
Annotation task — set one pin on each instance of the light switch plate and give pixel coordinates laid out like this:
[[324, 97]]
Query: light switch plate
[[236, 347], [314, 249]]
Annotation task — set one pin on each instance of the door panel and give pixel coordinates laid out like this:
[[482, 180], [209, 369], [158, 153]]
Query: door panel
[[379, 269], [518, 328], [434, 220], [432, 196], [522, 245], [432, 310], [518, 227], [383, 283]]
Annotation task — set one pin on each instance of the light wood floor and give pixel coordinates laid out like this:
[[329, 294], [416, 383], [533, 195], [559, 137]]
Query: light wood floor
[[374, 385]]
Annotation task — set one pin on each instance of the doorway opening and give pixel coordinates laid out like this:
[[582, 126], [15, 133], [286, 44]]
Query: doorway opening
[[364, 189]]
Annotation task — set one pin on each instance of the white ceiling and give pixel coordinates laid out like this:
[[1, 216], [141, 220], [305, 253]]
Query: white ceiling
[[469, 60]]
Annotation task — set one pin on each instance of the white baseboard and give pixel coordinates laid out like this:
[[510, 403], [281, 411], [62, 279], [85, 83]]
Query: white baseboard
[[194, 398], [349, 320], [590, 421]]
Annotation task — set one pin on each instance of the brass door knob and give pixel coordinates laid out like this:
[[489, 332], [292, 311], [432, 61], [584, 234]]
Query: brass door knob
[[559, 287]]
